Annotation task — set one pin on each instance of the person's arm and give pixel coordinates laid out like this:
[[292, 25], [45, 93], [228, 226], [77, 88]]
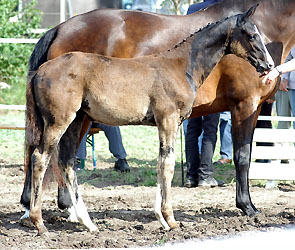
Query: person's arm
[[279, 70], [285, 77]]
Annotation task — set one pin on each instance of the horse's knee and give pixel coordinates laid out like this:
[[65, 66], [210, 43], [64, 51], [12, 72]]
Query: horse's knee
[[242, 157], [242, 162]]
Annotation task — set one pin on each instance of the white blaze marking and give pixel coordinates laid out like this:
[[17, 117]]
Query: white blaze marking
[[268, 56]]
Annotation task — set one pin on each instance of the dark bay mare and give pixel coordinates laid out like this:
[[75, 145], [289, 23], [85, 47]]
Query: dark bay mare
[[233, 85], [157, 90]]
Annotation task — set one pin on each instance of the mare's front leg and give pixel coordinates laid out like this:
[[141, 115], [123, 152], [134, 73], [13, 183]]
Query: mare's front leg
[[168, 128], [243, 124]]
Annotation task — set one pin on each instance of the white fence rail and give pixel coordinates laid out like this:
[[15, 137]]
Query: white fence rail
[[273, 162], [18, 40], [12, 107]]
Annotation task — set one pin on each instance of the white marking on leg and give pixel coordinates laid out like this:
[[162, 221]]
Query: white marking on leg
[[157, 209], [83, 216], [26, 215], [78, 205], [72, 217]]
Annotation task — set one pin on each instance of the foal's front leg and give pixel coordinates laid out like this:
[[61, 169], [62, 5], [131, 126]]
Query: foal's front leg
[[242, 132], [163, 205]]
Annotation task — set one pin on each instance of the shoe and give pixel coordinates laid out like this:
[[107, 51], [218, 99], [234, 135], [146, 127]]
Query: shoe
[[263, 161], [285, 161], [210, 182], [79, 164], [122, 165], [191, 183], [222, 161]]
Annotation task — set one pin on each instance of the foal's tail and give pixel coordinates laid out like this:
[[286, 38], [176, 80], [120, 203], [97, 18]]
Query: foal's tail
[[33, 135], [34, 128], [34, 123]]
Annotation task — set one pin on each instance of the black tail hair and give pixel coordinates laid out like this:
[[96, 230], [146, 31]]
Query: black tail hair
[[39, 54]]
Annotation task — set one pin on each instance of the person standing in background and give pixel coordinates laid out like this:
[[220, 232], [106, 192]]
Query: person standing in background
[[285, 96]]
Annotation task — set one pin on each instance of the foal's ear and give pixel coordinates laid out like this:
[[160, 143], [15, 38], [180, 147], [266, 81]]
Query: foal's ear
[[243, 18]]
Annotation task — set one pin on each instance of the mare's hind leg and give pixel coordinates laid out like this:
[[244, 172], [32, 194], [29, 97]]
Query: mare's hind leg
[[64, 200], [168, 128], [67, 154], [243, 125]]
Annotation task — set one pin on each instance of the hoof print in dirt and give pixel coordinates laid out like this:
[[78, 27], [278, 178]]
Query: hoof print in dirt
[[139, 227]]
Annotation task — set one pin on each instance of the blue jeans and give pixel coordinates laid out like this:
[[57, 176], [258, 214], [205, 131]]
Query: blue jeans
[[226, 143], [115, 141], [285, 105]]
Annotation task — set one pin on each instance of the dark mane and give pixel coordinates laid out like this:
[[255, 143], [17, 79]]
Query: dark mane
[[192, 36]]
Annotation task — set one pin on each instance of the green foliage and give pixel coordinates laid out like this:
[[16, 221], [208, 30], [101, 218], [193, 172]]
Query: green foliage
[[14, 57]]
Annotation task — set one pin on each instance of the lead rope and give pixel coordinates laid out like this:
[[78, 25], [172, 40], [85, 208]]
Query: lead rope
[[181, 156]]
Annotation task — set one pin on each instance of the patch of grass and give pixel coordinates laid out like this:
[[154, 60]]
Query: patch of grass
[[161, 241], [12, 141], [226, 173]]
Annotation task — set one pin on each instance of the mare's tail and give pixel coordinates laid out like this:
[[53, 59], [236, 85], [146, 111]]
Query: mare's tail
[[39, 54]]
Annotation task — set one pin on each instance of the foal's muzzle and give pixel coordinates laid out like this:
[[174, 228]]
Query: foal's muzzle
[[262, 67]]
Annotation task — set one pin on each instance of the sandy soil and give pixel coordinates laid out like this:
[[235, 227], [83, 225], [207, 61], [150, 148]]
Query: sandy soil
[[124, 215]]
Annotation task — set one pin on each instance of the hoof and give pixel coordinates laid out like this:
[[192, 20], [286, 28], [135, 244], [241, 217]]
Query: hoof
[[93, 228], [26, 222], [173, 225], [255, 212], [42, 231], [73, 218]]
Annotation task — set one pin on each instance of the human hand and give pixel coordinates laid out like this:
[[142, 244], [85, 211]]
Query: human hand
[[270, 76], [270, 100], [284, 85]]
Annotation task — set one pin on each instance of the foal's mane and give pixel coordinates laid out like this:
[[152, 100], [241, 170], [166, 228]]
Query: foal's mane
[[190, 38]]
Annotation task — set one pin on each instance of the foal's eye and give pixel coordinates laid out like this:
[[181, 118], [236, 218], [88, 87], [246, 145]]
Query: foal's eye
[[251, 37]]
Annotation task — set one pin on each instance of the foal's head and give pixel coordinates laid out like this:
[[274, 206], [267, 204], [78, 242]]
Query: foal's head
[[245, 41]]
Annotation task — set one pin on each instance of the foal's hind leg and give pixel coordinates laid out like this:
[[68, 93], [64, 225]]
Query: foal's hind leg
[[68, 147], [243, 125], [168, 128], [40, 160]]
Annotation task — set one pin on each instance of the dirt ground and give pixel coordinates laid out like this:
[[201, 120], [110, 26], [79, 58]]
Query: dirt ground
[[124, 215]]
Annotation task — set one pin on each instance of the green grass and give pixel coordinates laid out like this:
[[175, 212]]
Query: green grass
[[12, 141]]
